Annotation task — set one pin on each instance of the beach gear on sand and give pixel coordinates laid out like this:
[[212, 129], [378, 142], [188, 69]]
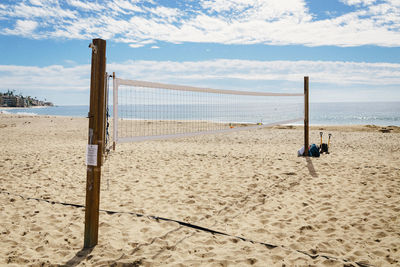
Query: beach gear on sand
[[313, 151], [320, 134], [329, 140], [300, 152], [324, 148]]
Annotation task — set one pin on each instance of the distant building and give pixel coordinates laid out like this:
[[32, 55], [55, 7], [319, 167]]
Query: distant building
[[48, 104], [10, 100]]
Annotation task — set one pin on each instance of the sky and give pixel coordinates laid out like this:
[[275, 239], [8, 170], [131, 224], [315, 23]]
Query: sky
[[350, 49]]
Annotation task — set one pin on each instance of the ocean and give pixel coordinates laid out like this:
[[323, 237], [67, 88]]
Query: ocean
[[357, 113]]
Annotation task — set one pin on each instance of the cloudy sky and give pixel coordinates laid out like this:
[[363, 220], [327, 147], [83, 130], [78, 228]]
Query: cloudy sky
[[349, 48]]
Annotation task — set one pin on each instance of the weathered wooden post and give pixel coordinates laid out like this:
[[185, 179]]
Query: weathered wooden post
[[115, 111], [96, 142], [306, 117]]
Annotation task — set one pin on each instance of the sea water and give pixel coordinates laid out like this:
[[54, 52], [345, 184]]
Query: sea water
[[357, 113], [361, 113]]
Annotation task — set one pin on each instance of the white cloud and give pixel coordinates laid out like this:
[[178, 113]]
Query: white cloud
[[330, 72], [136, 45], [329, 80], [36, 2], [165, 12], [275, 22], [47, 10], [70, 62], [357, 2], [53, 77], [196, 72], [86, 5], [41, 2], [23, 27], [123, 6], [225, 5]]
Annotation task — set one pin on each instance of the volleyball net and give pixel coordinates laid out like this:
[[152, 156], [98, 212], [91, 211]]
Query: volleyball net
[[150, 111]]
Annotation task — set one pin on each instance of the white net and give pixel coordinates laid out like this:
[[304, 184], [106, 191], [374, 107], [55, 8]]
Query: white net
[[145, 110]]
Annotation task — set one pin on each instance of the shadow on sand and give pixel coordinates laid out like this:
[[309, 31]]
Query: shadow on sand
[[79, 257], [310, 167]]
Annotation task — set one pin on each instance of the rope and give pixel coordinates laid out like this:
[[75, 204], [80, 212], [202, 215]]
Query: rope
[[199, 89], [196, 227]]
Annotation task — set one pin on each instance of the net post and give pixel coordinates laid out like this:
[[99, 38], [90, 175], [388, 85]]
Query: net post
[[96, 138], [104, 111], [115, 111], [306, 115]]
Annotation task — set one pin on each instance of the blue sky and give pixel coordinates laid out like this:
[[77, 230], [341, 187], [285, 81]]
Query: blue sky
[[349, 48]]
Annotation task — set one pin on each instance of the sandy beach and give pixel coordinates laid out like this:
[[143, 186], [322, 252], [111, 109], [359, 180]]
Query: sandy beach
[[273, 208]]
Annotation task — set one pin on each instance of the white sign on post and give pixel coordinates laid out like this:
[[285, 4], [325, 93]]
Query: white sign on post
[[91, 155]]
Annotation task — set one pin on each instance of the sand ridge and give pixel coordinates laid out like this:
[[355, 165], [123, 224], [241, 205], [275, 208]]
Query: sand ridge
[[249, 184]]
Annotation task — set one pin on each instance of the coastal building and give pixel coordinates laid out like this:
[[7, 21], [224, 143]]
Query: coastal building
[[10, 100]]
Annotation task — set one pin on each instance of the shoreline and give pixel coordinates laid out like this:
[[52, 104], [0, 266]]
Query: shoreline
[[322, 127], [318, 118], [33, 107]]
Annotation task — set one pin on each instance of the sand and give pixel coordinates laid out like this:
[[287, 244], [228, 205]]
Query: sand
[[341, 209]]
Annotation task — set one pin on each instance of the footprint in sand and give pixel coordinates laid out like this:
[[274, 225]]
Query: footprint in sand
[[329, 230], [306, 228]]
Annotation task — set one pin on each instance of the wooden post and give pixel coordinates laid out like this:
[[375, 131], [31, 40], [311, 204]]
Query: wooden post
[[115, 111], [104, 111], [306, 117], [96, 138]]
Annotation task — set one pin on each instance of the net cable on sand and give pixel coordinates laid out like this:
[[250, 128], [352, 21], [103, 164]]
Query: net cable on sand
[[196, 227]]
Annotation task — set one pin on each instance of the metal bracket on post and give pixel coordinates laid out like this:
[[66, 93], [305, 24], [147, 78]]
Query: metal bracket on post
[[94, 48]]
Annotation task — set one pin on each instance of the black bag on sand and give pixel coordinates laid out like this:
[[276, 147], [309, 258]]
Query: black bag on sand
[[324, 148], [313, 151]]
